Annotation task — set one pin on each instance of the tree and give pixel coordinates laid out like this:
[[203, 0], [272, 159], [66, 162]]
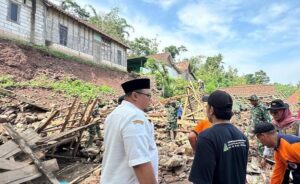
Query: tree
[[259, 77], [73, 8], [143, 46], [111, 23], [174, 51]]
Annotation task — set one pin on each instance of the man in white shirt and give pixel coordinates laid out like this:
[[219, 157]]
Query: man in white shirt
[[130, 155]]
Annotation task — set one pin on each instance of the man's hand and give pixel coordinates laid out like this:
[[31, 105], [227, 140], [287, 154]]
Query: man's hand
[[145, 174]]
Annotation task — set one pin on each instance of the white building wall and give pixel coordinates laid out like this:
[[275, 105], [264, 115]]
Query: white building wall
[[20, 29]]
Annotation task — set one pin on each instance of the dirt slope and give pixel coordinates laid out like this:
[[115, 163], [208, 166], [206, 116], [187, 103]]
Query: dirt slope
[[24, 63]]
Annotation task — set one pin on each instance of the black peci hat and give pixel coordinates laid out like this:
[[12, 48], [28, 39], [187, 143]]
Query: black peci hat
[[278, 104], [135, 84]]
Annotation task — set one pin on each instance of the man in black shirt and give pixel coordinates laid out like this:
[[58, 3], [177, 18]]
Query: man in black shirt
[[222, 150]]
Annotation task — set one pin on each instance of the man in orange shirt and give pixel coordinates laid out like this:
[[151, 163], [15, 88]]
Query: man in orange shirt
[[200, 127], [286, 155]]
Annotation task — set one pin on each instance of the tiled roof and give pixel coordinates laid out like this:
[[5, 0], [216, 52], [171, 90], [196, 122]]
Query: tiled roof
[[51, 5], [163, 57], [247, 90], [183, 66], [294, 98]]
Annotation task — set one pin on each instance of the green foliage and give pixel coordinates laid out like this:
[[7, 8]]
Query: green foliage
[[143, 47], [214, 75], [69, 86], [73, 8], [111, 23], [259, 77], [286, 89], [174, 51], [6, 81]]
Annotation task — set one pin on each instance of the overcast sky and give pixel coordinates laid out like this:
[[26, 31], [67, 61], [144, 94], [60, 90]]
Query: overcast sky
[[251, 35]]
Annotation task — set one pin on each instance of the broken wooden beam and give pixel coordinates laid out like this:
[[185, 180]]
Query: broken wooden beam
[[43, 125], [24, 146], [27, 173]]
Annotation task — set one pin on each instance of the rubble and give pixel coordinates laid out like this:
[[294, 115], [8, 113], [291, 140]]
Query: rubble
[[62, 135]]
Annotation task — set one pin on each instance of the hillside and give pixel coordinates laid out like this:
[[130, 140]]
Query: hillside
[[24, 62]]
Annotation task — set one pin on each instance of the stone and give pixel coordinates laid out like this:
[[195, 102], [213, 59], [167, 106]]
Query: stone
[[3, 118], [30, 119]]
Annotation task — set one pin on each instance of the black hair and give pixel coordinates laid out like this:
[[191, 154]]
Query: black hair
[[224, 114]]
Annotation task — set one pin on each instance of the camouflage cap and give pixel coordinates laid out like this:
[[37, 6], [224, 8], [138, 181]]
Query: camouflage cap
[[253, 98]]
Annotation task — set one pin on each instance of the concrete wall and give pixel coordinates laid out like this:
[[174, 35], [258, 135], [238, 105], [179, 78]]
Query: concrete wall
[[81, 39], [20, 29], [40, 21]]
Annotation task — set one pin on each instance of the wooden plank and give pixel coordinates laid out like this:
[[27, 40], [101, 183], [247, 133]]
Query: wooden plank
[[68, 115], [11, 165], [9, 149], [27, 173], [47, 122], [26, 149], [63, 134], [88, 119]]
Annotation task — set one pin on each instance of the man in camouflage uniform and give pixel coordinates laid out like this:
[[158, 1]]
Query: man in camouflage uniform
[[172, 118], [236, 109], [95, 129], [259, 112]]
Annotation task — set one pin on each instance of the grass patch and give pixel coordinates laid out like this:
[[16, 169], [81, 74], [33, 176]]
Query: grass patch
[[68, 86]]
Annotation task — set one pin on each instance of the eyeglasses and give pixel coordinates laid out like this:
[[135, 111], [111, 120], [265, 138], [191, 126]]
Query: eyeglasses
[[148, 95]]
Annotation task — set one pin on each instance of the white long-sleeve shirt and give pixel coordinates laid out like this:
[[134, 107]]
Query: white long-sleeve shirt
[[128, 141]]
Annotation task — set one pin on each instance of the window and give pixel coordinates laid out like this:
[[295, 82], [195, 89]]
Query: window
[[63, 35], [106, 50], [119, 57], [13, 12]]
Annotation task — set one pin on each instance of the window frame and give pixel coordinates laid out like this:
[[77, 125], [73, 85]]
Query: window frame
[[62, 27], [119, 57], [9, 12]]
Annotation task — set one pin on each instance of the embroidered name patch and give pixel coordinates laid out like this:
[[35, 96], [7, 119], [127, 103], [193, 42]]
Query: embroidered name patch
[[138, 122]]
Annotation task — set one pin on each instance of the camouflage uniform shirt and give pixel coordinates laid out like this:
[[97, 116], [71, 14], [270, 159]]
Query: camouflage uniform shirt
[[172, 117], [260, 113]]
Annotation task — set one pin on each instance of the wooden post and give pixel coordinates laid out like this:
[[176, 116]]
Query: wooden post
[[47, 122], [68, 116], [85, 123], [26, 149]]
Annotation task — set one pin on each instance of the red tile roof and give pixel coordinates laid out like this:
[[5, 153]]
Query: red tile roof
[[294, 98], [165, 58], [248, 90], [183, 66]]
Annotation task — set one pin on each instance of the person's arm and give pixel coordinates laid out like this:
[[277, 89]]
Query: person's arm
[[278, 171], [204, 162], [193, 140], [144, 173], [136, 145], [266, 115]]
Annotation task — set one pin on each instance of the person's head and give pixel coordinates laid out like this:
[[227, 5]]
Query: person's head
[[219, 106], [277, 109], [266, 134], [253, 100], [138, 92]]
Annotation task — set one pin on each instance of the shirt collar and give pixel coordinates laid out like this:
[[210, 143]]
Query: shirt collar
[[126, 103], [278, 142]]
